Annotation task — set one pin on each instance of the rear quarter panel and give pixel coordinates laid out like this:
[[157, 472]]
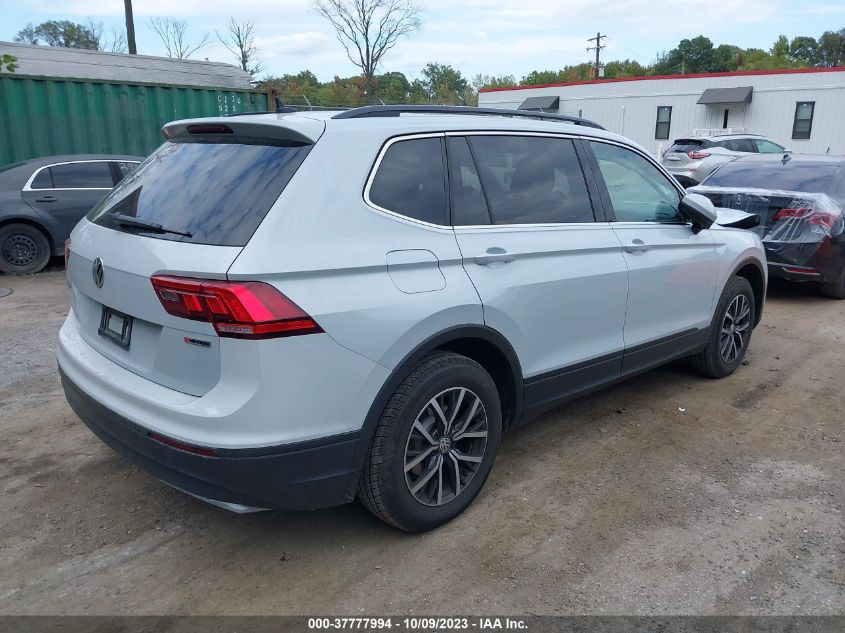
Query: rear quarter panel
[[327, 250]]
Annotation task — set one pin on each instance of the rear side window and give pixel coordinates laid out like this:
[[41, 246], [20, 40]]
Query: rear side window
[[411, 181], [740, 145], [468, 204], [82, 176], [531, 180], [217, 190], [794, 175], [42, 180]]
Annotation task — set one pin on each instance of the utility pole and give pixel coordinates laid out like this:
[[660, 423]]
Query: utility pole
[[597, 39], [130, 28]]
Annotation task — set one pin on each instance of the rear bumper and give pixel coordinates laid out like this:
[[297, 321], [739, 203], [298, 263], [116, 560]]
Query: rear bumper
[[302, 476]]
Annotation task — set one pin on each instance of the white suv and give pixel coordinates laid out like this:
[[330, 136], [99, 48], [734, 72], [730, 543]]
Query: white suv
[[287, 311]]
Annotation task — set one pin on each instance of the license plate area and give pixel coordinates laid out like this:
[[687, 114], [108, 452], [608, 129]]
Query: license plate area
[[115, 326]]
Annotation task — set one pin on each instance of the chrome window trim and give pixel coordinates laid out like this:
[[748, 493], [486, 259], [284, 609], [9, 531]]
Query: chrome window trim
[[28, 185]]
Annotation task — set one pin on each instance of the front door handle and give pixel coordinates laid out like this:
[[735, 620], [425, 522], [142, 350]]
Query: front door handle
[[46, 199], [636, 246], [494, 255]]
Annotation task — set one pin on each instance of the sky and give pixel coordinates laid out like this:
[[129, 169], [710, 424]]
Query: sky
[[475, 36]]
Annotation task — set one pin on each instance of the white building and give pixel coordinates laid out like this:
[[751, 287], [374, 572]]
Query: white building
[[802, 109]]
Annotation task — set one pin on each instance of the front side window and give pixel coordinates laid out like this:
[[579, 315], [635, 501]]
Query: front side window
[[410, 180], [531, 180], [767, 147], [639, 192], [802, 126], [95, 175], [664, 120]]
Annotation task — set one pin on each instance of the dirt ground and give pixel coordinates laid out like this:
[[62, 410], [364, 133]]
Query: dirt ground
[[668, 494]]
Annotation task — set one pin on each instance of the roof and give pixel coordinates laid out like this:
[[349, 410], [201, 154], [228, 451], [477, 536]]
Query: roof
[[77, 63], [412, 124], [738, 73], [739, 94]]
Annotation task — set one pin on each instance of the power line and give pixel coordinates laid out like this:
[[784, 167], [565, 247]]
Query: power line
[[598, 48]]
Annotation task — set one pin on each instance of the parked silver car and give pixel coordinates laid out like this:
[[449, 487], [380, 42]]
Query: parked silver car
[[287, 311], [692, 158]]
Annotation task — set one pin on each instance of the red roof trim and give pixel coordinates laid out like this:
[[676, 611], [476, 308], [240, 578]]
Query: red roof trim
[[738, 73]]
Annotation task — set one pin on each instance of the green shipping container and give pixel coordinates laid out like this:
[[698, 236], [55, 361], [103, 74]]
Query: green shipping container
[[42, 116]]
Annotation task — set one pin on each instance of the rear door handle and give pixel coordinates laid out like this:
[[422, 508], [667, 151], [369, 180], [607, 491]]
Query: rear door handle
[[494, 255], [46, 199], [636, 246]]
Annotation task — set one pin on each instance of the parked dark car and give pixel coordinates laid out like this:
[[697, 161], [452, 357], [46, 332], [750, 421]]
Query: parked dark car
[[800, 200], [42, 199]]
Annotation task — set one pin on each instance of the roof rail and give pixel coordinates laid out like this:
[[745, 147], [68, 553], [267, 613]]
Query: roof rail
[[396, 110]]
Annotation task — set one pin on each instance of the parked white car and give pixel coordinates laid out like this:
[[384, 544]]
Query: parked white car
[[692, 158]]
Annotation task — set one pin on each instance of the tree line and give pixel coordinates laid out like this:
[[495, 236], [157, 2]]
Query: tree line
[[368, 29]]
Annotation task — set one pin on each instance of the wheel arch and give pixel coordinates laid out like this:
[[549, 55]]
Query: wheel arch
[[752, 270], [482, 344]]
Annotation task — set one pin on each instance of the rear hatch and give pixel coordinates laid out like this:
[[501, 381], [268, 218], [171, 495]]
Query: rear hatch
[[678, 156], [187, 211]]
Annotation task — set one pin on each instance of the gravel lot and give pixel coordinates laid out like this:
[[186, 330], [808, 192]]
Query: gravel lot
[[667, 494]]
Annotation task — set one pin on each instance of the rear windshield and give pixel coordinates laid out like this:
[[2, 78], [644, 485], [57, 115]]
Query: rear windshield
[[809, 177], [216, 190], [689, 144]]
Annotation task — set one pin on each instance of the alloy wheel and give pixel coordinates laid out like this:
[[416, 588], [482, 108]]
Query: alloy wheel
[[736, 326], [446, 446]]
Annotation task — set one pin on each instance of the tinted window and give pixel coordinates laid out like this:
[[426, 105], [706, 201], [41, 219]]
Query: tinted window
[[795, 175], [740, 145], [531, 180], [123, 168], [639, 192], [767, 147], [685, 145], [217, 191], [468, 204], [42, 180], [82, 176], [410, 180]]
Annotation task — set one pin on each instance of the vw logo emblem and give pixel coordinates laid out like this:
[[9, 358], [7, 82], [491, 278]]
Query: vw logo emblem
[[97, 272]]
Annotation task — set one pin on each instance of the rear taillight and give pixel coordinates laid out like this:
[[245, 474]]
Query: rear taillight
[[696, 155], [67, 251], [817, 218], [245, 309]]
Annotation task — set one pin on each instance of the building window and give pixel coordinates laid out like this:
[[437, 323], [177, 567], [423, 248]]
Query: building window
[[664, 119], [803, 124]]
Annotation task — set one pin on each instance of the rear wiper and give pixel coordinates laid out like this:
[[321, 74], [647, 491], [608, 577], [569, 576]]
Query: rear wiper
[[128, 220]]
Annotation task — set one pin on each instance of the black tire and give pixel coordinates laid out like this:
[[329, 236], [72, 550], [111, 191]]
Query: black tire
[[835, 289], [386, 489], [712, 361], [24, 249]]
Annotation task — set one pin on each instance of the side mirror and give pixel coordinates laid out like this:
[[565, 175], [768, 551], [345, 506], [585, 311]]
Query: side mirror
[[699, 210]]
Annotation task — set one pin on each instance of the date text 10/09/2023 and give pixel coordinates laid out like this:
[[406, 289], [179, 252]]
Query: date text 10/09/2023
[[430, 623]]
